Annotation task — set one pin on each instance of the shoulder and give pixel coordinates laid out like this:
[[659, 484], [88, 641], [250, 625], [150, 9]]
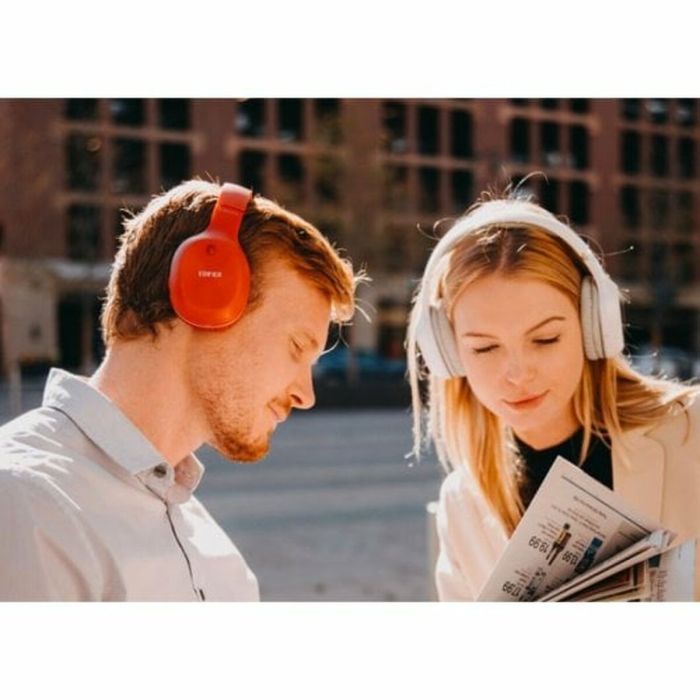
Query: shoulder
[[681, 428], [36, 460], [461, 502], [40, 439]]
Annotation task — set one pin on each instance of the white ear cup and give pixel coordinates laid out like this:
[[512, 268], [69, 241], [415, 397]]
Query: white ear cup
[[446, 341], [590, 322]]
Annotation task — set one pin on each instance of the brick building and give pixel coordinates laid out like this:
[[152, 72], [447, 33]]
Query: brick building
[[373, 174]]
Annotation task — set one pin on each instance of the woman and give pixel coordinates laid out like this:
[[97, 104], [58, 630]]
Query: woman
[[517, 329]]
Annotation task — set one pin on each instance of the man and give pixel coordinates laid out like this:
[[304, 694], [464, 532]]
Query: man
[[96, 485]]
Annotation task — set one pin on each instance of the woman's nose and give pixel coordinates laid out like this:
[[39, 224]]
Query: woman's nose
[[519, 370]]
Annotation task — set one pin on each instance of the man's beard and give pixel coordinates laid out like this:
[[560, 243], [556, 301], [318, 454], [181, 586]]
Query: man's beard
[[239, 448], [231, 436]]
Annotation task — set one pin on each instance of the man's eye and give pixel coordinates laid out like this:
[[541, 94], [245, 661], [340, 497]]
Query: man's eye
[[487, 348], [548, 341]]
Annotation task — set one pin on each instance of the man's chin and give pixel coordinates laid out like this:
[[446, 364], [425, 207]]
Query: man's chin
[[242, 452]]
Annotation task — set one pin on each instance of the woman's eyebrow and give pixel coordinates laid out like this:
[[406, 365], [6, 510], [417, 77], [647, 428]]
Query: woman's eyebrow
[[471, 334]]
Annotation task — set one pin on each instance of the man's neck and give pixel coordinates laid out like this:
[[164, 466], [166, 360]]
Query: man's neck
[[146, 380]]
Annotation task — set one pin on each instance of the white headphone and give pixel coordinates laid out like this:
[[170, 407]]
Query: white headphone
[[601, 317]]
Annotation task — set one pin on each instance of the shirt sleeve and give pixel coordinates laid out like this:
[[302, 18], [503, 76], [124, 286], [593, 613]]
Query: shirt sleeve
[[45, 554], [450, 578]]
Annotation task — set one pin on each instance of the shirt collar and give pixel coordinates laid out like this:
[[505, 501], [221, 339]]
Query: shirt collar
[[119, 438]]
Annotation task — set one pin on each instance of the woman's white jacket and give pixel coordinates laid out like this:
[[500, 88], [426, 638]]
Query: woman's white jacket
[[655, 469]]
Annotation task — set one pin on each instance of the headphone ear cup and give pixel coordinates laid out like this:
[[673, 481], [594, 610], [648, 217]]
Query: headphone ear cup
[[435, 338], [445, 340], [209, 281], [590, 320]]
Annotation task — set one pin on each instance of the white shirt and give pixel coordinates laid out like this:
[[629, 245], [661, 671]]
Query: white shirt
[[89, 510]]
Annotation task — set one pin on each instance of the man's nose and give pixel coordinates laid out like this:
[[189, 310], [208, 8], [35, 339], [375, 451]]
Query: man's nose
[[303, 395]]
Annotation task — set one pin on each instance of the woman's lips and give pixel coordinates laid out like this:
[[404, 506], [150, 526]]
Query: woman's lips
[[527, 403]]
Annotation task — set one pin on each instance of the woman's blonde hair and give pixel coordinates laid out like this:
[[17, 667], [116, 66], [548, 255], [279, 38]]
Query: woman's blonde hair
[[611, 396]]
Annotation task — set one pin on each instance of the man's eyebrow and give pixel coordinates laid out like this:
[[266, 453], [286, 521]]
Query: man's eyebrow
[[531, 330]]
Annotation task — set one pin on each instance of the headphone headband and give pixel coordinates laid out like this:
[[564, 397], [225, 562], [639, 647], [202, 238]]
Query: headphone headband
[[600, 300], [514, 214]]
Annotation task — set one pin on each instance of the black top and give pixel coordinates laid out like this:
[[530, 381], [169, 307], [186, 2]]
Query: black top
[[536, 463]]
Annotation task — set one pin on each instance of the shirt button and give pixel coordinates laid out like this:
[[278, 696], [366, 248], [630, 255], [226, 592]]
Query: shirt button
[[160, 471]]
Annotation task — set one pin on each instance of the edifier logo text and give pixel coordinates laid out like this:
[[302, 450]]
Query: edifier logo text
[[210, 273]]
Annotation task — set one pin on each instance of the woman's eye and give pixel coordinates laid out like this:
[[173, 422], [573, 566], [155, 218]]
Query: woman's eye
[[487, 348], [547, 341]]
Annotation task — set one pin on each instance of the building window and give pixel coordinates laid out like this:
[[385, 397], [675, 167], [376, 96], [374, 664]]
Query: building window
[[684, 212], [174, 114], [129, 166], [631, 152], [290, 119], [328, 124], [659, 263], [684, 267], [579, 202], [128, 112], [550, 153], [685, 112], [81, 110], [251, 170], [83, 157], [396, 188], [578, 139], [291, 174], [659, 155], [394, 123], [461, 190], [686, 158], [461, 134], [520, 140], [118, 221], [580, 106], [175, 164], [549, 194], [658, 111], [396, 252], [250, 118], [83, 239], [630, 207], [327, 179], [659, 209], [631, 260], [631, 109], [549, 104], [429, 189], [428, 131]]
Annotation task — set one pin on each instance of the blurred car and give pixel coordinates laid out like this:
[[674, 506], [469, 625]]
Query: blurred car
[[336, 363], [668, 361]]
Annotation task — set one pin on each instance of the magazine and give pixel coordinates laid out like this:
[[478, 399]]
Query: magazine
[[578, 541]]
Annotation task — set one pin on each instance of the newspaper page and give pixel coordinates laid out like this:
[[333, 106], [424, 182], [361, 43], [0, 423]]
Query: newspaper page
[[672, 574], [572, 523], [631, 565]]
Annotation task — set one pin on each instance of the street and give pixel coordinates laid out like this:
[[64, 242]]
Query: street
[[334, 512]]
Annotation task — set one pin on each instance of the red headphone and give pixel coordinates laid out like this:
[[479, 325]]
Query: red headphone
[[209, 278]]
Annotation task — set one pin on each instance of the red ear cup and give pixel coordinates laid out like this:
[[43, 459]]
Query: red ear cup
[[209, 279]]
